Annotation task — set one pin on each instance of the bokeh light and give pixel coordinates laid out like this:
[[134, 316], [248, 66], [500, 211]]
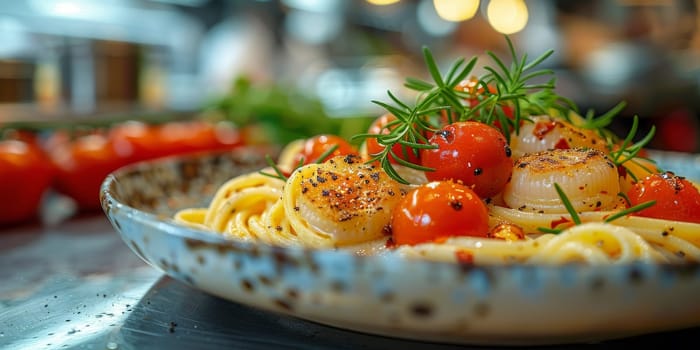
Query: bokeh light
[[507, 16], [382, 2], [456, 10]]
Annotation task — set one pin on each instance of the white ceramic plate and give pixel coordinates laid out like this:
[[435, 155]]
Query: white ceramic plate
[[387, 295]]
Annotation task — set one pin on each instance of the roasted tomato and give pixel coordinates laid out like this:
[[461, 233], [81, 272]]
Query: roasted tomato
[[676, 197], [470, 152], [382, 125], [436, 211], [83, 163], [314, 147], [25, 175]]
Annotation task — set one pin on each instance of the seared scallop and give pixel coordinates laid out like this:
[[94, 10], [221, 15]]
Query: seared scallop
[[344, 199], [546, 133], [588, 178]]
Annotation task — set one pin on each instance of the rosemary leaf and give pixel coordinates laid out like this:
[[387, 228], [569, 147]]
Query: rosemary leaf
[[549, 230], [278, 173], [636, 208], [567, 204]]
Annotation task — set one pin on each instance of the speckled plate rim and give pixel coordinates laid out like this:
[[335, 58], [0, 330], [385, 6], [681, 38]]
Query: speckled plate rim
[[632, 274]]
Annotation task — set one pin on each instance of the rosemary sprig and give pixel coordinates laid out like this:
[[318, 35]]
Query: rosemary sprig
[[604, 120], [505, 94], [577, 219], [628, 151]]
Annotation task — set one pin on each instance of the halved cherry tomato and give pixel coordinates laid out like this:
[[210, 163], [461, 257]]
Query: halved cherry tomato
[[315, 146], [25, 175], [676, 197], [436, 211], [372, 147], [470, 152]]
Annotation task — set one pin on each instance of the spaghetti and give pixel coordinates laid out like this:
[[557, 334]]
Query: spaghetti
[[257, 207]]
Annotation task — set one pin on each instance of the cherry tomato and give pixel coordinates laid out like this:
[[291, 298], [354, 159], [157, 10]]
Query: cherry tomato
[[25, 175], [471, 152], [633, 170], [83, 163], [475, 90], [436, 211], [478, 93], [372, 147], [676, 197], [315, 146]]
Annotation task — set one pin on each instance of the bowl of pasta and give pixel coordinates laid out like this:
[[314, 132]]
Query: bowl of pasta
[[487, 213]]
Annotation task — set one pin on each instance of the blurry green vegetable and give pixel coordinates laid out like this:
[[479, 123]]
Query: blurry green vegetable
[[282, 114]]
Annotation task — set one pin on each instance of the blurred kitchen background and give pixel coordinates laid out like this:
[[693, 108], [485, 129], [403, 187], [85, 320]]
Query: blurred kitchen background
[[76, 60]]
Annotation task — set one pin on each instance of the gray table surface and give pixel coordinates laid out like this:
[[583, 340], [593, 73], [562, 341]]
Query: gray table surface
[[76, 285]]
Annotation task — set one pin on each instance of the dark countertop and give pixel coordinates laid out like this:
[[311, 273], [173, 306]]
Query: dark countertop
[[75, 285]]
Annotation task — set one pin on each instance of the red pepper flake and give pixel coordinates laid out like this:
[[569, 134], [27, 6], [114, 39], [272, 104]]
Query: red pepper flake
[[562, 144], [561, 221], [464, 256], [441, 239], [543, 128], [622, 172]]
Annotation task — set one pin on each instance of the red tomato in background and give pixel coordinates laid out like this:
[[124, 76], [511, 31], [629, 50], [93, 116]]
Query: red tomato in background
[[676, 197], [83, 164], [372, 147], [149, 141], [137, 140], [314, 147], [85, 161], [436, 211], [182, 137], [25, 175], [470, 152]]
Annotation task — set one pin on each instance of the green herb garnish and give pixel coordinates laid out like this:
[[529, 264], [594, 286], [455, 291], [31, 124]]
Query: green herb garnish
[[505, 94], [629, 151], [630, 210]]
